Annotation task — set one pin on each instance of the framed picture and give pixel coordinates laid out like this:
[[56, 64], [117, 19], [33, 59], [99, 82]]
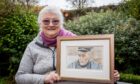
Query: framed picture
[[86, 58]]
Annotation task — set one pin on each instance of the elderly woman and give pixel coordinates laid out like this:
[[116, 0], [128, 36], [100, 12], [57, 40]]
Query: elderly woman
[[38, 62]]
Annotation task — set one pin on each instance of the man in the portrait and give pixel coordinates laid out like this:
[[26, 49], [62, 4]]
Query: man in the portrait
[[84, 60]]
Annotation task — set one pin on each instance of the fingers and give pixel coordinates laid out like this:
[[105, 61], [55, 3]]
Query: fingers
[[57, 77], [50, 81], [52, 77], [116, 75]]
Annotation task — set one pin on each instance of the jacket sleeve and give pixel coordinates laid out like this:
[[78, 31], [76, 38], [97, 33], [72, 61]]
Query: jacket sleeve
[[25, 73]]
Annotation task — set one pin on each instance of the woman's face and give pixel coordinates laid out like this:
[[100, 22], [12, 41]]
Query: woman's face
[[50, 25]]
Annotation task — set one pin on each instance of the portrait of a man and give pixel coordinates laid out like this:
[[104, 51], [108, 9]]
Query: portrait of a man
[[85, 60]]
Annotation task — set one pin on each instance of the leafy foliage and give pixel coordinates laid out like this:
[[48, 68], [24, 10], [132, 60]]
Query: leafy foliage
[[7, 80], [131, 8], [126, 30], [17, 29], [135, 79]]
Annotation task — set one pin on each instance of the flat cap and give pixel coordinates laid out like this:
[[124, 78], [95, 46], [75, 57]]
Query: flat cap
[[84, 49]]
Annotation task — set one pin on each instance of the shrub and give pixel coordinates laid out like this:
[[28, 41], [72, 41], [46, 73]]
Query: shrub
[[7, 80], [131, 7], [2, 81], [126, 30], [135, 79], [17, 29]]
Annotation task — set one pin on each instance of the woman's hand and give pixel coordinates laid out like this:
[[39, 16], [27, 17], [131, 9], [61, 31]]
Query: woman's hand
[[116, 75], [51, 78]]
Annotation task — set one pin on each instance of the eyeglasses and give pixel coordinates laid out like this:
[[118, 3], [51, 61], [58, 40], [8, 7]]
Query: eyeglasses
[[53, 21]]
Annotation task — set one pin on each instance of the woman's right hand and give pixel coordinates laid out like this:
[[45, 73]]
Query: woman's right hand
[[51, 78]]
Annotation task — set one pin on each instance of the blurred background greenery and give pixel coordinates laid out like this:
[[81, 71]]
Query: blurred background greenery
[[19, 26]]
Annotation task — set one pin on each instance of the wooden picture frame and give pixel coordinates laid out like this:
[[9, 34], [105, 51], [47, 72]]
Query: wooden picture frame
[[100, 49]]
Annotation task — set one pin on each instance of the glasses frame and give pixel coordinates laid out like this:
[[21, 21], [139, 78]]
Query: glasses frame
[[54, 22]]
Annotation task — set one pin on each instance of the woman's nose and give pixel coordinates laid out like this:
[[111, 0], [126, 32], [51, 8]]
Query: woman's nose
[[50, 24]]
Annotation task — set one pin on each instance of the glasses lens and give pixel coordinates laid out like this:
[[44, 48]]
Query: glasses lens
[[55, 22], [46, 22]]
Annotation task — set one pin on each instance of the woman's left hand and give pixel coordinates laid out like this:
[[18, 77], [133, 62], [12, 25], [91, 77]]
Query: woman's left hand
[[116, 75]]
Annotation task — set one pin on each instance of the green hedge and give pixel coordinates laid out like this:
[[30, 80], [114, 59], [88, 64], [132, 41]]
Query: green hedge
[[131, 7], [135, 79], [2, 81], [7, 80], [16, 31], [127, 36]]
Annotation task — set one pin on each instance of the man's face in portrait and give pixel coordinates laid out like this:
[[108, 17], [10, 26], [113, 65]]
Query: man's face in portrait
[[83, 57]]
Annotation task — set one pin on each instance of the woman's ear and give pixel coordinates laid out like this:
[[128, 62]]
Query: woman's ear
[[39, 23], [40, 29]]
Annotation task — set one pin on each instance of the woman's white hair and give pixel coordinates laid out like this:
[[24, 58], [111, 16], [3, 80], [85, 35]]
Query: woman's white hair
[[51, 9]]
